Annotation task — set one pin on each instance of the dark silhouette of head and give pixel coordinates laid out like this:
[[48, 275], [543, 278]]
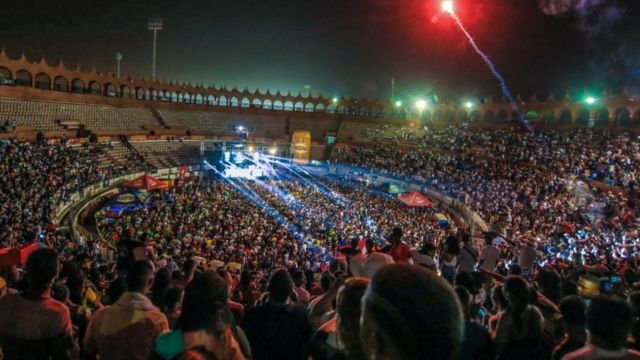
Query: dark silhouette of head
[[609, 321], [280, 286], [573, 310], [410, 313], [349, 305], [42, 269], [139, 277]]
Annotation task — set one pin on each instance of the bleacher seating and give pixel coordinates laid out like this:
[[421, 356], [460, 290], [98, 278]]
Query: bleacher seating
[[164, 154], [45, 116], [210, 123]]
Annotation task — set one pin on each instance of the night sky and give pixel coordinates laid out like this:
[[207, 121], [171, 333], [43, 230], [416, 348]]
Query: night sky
[[342, 47]]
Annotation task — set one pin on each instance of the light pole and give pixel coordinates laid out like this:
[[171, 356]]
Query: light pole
[[118, 59], [155, 25], [393, 88]]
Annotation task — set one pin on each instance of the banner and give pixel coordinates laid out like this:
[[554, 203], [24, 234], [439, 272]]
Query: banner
[[183, 172], [18, 255], [301, 147]]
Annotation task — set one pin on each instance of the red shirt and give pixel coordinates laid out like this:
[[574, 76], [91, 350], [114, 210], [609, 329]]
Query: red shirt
[[35, 329], [400, 253]]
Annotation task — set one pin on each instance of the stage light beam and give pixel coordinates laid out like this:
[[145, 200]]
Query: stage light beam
[[590, 100], [468, 104], [447, 6], [421, 105]]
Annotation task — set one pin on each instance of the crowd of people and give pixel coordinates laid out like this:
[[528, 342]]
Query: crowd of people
[[36, 179], [522, 189], [301, 268]]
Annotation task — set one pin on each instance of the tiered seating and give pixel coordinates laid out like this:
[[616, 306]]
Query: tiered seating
[[164, 154], [197, 121], [45, 116], [362, 131], [41, 115], [354, 130], [209, 123]]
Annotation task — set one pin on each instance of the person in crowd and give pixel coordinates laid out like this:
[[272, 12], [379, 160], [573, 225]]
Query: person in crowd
[[519, 329], [500, 304], [278, 329], [468, 257], [528, 254], [477, 343], [161, 283], [449, 258], [399, 251], [302, 295], [339, 337], [236, 308], [573, 311], [408, 312], [128, 328], [208, 287], [322, 307], [374, 260], [489, 256], [32, 324], [609, 323], [349, 308], [425, 256], [207, 334], [173, 305]]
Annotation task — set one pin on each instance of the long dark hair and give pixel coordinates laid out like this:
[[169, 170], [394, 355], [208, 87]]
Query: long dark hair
[[516, 290]]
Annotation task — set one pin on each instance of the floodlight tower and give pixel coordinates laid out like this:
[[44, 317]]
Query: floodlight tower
[[155, 25], [118, 59]]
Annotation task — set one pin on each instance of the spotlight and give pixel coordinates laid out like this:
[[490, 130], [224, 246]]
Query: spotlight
[[335, 100], [447, 6], [468, 104], [273, 150], [251, 149], [421, 105], [590, 100], [398, 103]]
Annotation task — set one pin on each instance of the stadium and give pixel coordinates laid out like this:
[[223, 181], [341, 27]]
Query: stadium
[[145, 218]]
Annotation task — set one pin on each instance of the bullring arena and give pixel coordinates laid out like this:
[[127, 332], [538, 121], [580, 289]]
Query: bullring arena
[[211, 180]]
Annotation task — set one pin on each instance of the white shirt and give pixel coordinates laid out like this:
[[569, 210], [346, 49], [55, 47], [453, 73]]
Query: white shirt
[[489, 257], [375, 262], [355, 264], [527, 257], [422, 259]]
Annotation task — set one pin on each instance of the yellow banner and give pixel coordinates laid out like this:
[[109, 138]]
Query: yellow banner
[[301, 147]]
